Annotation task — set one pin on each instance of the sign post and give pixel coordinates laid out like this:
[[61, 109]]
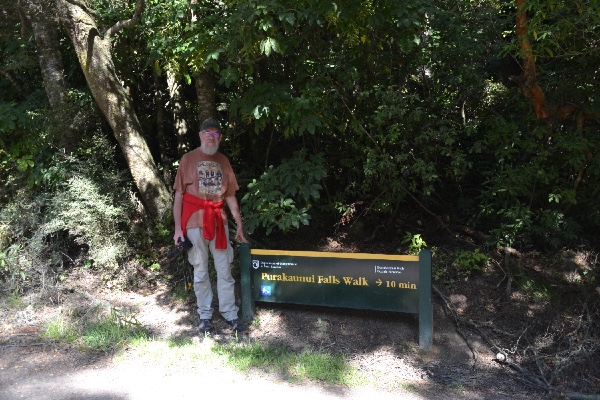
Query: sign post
[[425, 302], [399, 283]]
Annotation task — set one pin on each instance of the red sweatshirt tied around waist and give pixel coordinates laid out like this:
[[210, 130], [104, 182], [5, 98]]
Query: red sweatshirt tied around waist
[[212, 213]]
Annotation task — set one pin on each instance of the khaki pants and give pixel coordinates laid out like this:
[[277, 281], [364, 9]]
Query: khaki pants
[[198, 257]]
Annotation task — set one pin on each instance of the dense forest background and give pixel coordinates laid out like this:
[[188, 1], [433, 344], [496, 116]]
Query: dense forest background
[[416, 120]]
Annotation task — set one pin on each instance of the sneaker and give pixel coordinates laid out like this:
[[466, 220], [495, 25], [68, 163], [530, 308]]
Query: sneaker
[[237, 325], [204, 326]]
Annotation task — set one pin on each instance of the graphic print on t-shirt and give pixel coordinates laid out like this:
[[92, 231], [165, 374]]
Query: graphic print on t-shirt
[[210, 177]]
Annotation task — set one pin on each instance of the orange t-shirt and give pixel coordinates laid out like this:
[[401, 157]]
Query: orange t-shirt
[[207, 177]]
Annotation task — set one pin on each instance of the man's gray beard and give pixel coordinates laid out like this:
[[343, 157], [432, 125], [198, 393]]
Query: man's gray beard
[[210, 151]]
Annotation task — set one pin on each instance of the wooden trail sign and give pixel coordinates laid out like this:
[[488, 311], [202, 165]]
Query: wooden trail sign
[[399, 283]]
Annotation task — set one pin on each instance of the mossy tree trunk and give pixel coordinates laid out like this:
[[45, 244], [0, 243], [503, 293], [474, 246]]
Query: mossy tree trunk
[[94, 53]]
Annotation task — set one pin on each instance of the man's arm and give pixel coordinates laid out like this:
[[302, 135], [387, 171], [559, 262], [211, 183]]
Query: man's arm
[[235, 212], [177, 210]]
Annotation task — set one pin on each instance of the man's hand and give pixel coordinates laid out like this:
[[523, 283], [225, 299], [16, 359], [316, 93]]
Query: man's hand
[[239, 234], [177, 209], [235, 212], [178, 236]]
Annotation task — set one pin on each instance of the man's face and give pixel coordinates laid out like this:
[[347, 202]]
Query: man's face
[[210, 139]]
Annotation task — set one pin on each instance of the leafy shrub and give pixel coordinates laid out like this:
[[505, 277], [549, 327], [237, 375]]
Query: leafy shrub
[[467, 261], [531, 196], [80, 213], [281, 197], [90, 216], [18, 220], [76, 220], [414, 242]]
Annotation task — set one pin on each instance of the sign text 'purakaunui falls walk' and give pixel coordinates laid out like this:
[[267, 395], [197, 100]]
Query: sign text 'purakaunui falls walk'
[[400, 283]]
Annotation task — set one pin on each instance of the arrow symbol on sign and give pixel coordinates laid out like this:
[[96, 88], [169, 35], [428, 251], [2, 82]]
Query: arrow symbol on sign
[[378, 281]]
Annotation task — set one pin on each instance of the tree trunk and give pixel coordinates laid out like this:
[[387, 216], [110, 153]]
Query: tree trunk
[[528, 79], [159, 106], [93, 52], [41, 15], [45, 32], [206, 95], [178, 110]]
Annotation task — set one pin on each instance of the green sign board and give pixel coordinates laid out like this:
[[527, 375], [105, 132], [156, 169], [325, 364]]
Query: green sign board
[[400, 283], [336, 279]]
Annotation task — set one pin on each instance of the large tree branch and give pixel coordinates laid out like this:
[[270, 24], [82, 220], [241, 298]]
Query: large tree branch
[[83, 5], [139, 8]]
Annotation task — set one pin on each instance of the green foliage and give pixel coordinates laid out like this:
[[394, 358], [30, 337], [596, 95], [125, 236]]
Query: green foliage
[[283, 196], [91, 218], [12, 273], [22, 148], [555, 24], [112, 330], [466, 261], [539, 291], [267, 104], [526, 197], [78, 214], [414, 242], [9, 114], [313, 365], [101, 330], [439, 270], [61, 329], [152, 239]]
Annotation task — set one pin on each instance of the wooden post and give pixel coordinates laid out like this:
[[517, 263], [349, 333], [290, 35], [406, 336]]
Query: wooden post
[[425, 304], [246, 282]]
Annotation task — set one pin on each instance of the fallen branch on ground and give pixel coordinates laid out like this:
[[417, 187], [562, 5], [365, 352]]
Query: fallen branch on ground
[[501, 355]]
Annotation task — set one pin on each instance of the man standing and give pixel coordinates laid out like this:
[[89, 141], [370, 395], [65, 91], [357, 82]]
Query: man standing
[[204, 184]]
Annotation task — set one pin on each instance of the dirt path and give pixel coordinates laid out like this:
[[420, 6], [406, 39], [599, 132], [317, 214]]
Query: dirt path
[[62, 376], [382, 345]]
